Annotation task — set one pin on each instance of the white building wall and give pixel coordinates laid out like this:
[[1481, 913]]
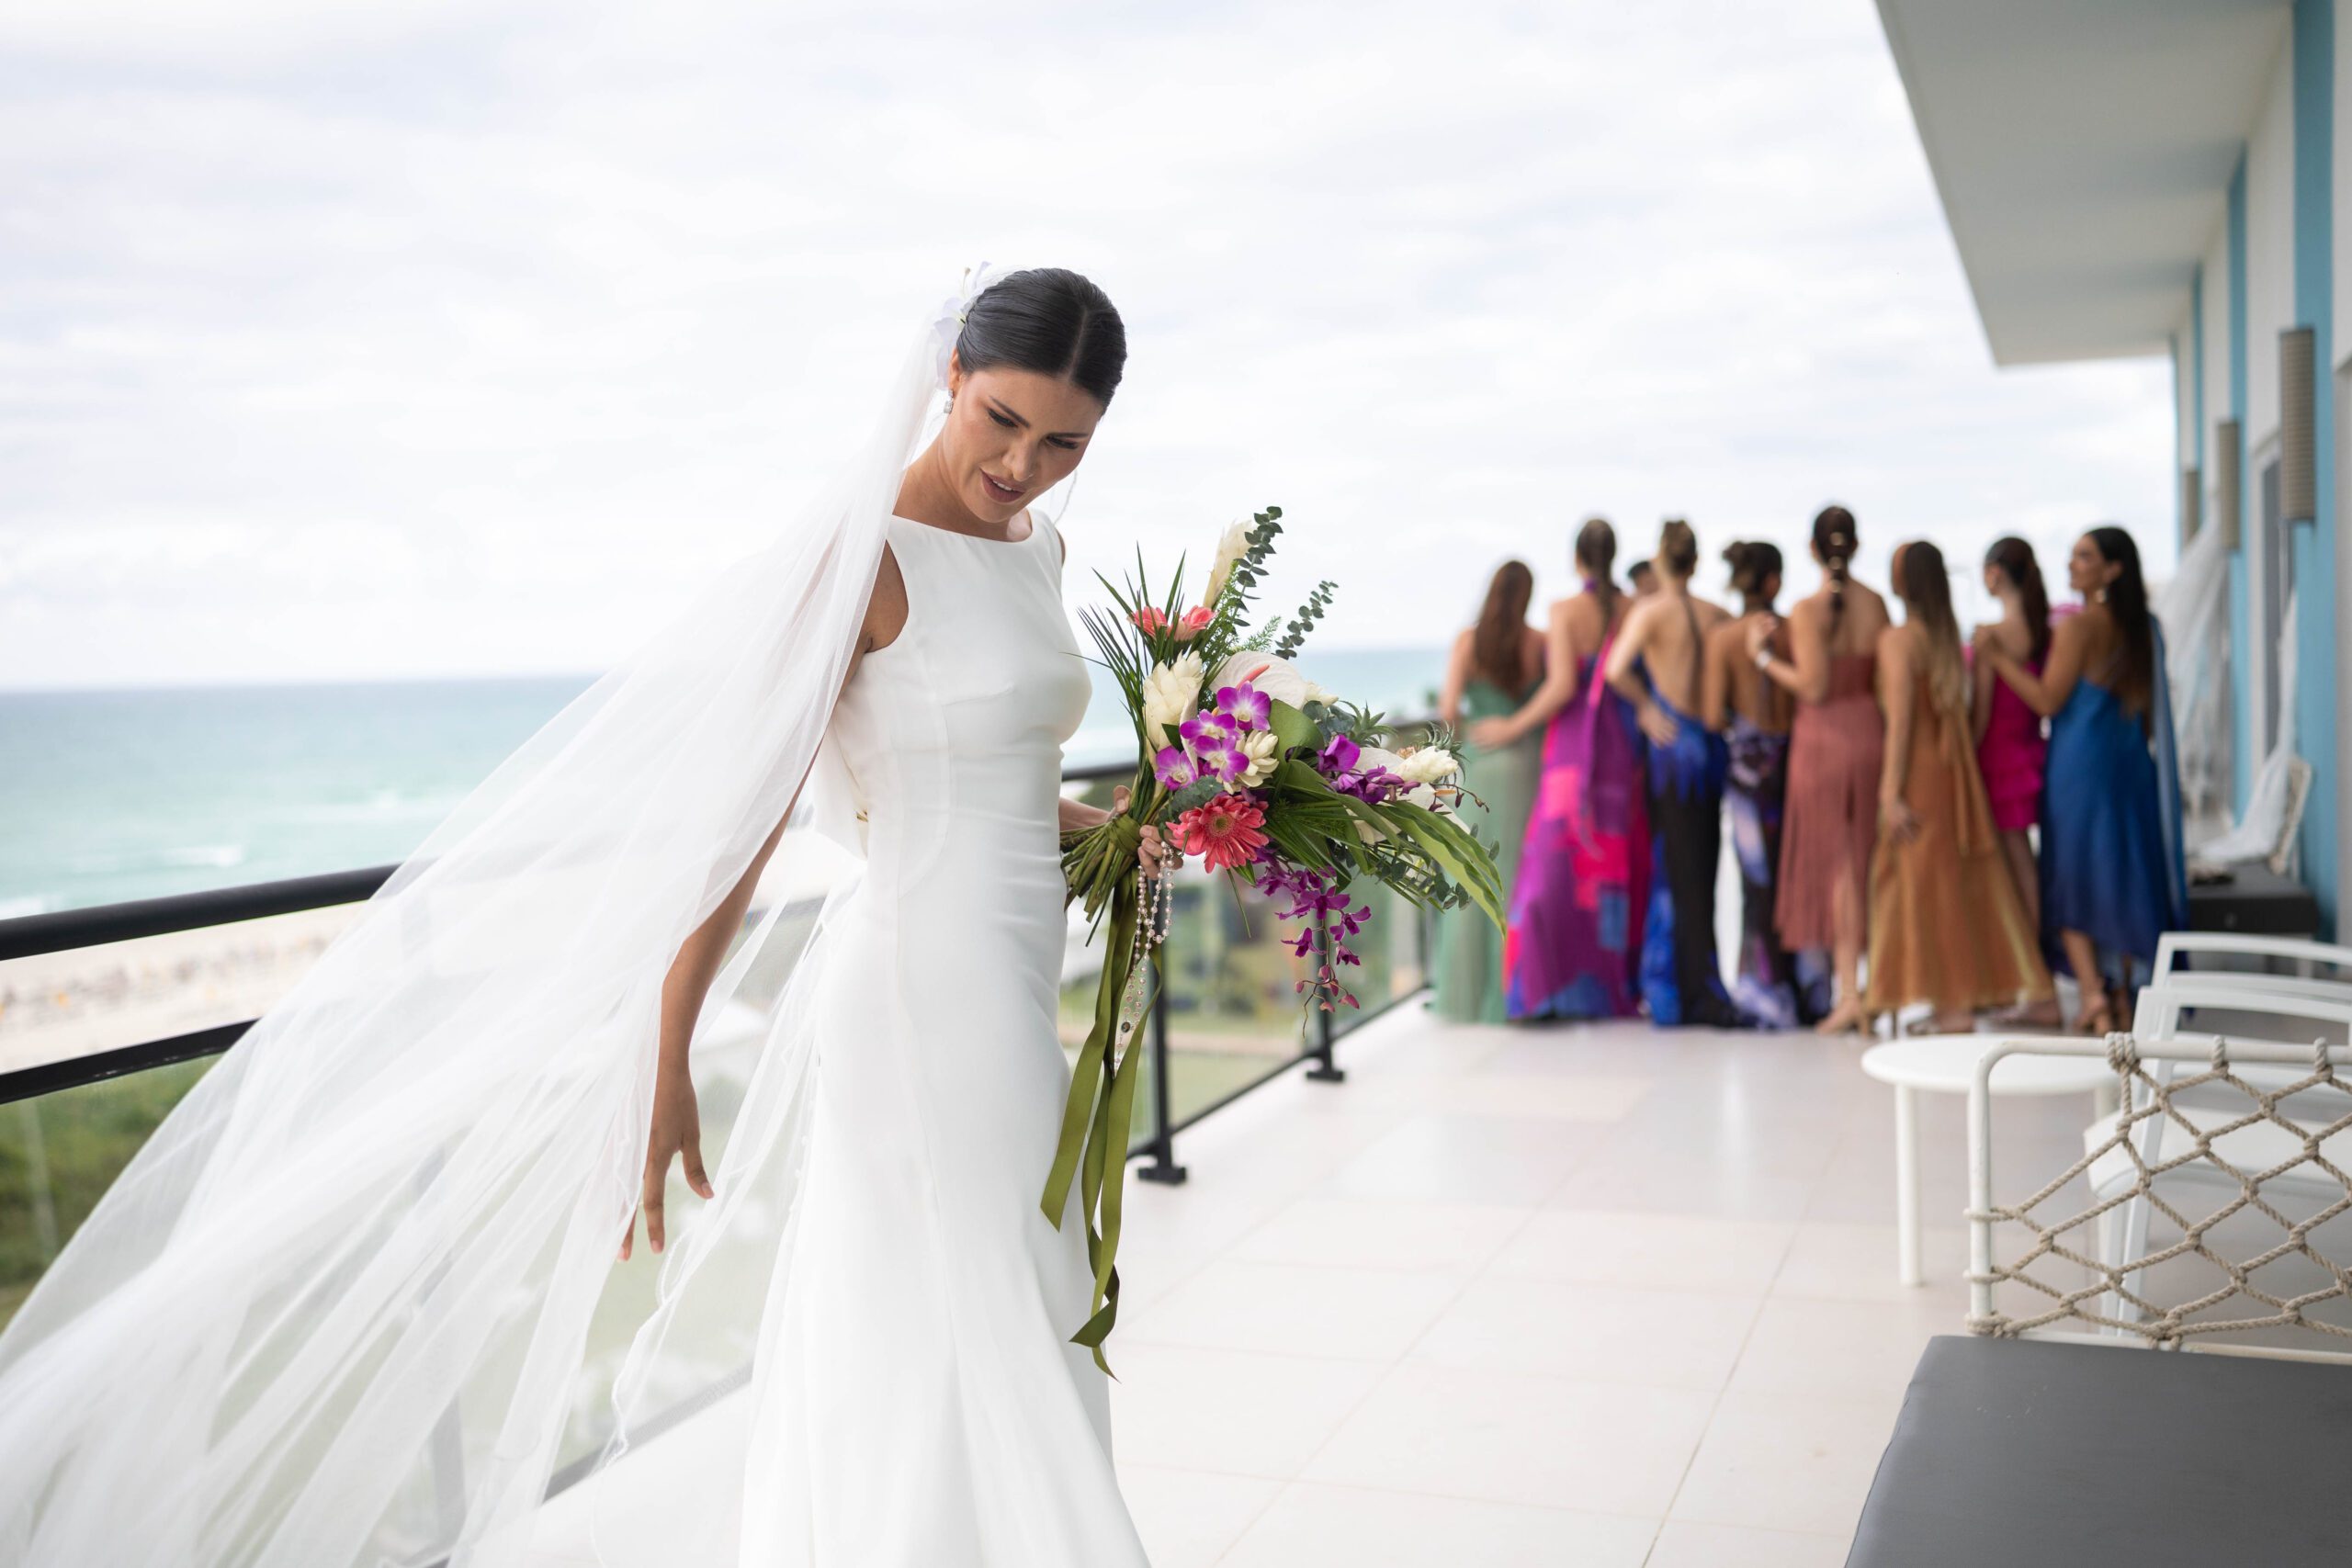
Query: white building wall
[[2269, 258]]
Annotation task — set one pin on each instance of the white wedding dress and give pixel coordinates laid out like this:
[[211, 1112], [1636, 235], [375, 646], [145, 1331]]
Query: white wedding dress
[[916, 1399], [337, 1312]]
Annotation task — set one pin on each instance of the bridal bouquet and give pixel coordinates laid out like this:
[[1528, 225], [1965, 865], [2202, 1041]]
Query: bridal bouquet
[[1270, 779]]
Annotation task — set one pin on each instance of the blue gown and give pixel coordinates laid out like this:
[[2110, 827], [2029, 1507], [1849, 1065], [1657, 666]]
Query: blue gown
[[2111, 861], [1681, 981]]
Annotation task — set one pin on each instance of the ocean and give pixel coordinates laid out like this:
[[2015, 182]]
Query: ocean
[[107, 795]]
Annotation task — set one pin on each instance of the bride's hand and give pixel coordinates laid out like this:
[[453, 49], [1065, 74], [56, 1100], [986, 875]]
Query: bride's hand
[[678, 1132], [1155, 851]]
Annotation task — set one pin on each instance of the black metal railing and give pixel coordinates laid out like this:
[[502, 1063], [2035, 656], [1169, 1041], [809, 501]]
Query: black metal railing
[[68, 930]]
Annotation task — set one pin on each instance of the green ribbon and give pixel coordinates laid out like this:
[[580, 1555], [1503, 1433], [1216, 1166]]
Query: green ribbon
[[1099, 1115]]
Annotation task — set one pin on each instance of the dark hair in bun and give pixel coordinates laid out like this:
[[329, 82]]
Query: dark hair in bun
[[1753, 564], [1051, 320]]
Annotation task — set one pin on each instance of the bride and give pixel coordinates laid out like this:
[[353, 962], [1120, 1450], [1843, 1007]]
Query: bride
[[336, 1310]]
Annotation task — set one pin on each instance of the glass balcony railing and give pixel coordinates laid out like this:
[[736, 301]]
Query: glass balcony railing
[[109, 1015]]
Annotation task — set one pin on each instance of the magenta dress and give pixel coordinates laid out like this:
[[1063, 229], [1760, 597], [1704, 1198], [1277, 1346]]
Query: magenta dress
[[1574, 943], [2011, 756]]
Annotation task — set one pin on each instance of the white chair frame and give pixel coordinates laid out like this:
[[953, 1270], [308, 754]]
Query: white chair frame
[[2173, 946]]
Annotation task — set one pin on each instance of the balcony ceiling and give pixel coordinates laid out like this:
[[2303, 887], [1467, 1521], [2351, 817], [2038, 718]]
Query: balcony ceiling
[[2083, 150]]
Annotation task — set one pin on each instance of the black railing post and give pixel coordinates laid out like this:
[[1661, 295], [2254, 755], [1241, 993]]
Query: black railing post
[[1162, 1166], [1324, 1069]]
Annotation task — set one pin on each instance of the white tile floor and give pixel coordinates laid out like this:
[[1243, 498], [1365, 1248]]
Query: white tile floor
[[1587, 1296]]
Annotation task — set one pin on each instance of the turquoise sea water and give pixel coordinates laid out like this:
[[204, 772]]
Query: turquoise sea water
[[116, 795]]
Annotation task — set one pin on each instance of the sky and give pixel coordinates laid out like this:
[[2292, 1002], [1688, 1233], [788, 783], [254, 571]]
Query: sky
[[385, 339]]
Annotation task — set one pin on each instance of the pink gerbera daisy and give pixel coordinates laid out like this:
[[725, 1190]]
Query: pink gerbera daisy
[[1226, 832]]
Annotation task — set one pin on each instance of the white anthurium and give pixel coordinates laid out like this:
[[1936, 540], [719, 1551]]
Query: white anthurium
[[1278, 678], [1230, 549], [1171, 693]]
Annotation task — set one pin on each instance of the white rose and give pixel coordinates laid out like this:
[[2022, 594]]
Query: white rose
[[1278, 678], [1230, 549], [1371, 757], [1171, 692], [1428, 764]]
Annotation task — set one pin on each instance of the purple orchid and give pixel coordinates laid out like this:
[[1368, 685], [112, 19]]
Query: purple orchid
[[1376, 786], [1221, 758], [1245, 705], [1206, 729], [1315, 900], [1175, 768], [1339, 762]]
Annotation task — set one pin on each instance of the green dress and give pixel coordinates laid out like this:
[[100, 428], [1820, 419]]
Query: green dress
[[1467, 970]]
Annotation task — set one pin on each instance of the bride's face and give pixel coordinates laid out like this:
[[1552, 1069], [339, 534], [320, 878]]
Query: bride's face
[[1012, 435]]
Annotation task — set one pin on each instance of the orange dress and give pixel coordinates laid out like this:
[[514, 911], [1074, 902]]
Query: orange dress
[[1947, 925], [1830, 824]]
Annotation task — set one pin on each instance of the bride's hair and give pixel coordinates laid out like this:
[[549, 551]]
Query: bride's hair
[[1051, 320]]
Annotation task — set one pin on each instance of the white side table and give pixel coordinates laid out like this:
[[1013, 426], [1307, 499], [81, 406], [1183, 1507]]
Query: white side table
[[1946, 1064]]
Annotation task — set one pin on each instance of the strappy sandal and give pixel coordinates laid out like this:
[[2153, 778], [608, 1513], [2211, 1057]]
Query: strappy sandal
[[1846, 1018], [2097, 1017]]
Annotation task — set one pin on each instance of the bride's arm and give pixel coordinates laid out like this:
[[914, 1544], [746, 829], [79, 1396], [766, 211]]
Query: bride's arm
[[676, 1133]]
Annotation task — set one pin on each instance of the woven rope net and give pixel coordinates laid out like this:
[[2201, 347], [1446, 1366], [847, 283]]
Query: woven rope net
[[2228, 1151]]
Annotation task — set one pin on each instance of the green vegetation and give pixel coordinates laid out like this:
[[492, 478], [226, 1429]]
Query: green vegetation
[[82, 1137]]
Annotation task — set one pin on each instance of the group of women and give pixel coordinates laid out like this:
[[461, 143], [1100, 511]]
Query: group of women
[[1917, 819]]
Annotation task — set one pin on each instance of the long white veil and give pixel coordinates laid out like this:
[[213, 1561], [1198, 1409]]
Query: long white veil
[[333, 1313]]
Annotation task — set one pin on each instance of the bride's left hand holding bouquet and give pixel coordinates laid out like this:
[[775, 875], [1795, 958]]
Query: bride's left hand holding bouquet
[[1270, 779]]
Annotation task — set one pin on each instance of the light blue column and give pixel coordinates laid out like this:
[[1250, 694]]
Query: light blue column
[[2314, 545]]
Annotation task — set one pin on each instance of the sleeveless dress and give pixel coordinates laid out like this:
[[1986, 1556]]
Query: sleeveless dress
[[1681, 983], [1830, 826], [1574, 937], [1773, 986], [1467, 973], [2112, 859], [1947, 925], [2011, 756], [918, 1404]]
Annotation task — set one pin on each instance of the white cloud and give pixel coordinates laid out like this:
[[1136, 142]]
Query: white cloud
[[383, 339]]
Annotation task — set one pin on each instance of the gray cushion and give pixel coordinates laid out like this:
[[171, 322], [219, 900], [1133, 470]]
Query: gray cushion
[[2018, 1453]]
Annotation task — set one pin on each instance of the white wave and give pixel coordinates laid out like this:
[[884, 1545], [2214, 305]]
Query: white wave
[[217, 856], [18, 907]]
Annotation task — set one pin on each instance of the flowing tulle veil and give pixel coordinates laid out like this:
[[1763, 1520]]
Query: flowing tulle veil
[[333, 1311]]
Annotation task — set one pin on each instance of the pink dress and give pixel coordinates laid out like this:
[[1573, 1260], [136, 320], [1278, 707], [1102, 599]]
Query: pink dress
[[2010, 757]]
